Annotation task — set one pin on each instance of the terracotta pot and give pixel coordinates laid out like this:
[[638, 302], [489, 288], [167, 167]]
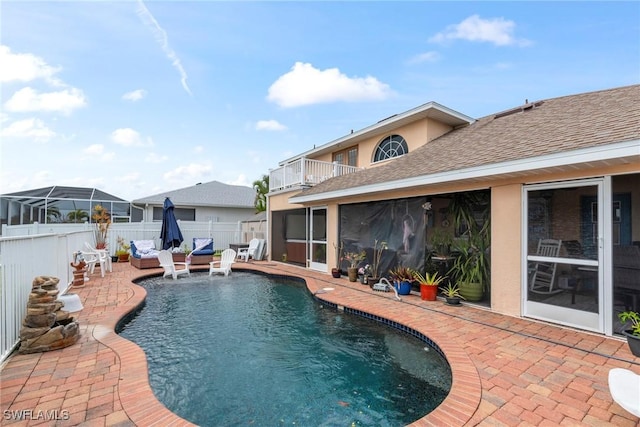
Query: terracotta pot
[[372, 280], [428, 292], [123, 258], [352, 272], [335, 273]]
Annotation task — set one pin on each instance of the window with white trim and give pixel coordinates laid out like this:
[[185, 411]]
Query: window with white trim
[[390, 147]]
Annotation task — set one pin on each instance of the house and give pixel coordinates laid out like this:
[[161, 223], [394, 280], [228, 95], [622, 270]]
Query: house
[[210, 201], [564, 170]]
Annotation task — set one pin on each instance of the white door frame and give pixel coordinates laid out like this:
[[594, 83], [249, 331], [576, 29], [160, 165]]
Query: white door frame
[[600, 321], [315, 265]]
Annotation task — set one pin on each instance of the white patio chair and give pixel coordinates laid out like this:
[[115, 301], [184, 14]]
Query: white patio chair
[[95, 256], [624, 386], [250, 252], [166, 261], [223, 266]]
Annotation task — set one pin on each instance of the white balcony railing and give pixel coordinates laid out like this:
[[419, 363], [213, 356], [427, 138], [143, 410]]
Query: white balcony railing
[[306, 172]]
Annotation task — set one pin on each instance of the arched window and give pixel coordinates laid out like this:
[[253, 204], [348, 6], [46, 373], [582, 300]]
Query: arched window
[[390, 147]]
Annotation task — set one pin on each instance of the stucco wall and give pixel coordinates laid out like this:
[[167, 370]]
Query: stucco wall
[[506, 232]]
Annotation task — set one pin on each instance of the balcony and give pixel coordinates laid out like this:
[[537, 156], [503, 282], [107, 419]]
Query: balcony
[[306, 172]]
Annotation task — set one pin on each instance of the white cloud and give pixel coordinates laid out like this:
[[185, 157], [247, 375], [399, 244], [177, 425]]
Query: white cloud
[[94, 149], [497, 31], [130, 178], [28, 128], [198, 149], [269, 125], [155, 158], [189, 173], [24, 67], [28, 100], [161, 36], [306, 85], [128, 137], [424, 57], [240, 180], [135, 95]]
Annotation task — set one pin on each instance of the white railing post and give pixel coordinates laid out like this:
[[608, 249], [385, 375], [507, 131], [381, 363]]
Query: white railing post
[[303, 170]]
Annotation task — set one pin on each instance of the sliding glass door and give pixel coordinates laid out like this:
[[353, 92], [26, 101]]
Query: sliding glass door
[[564, 251]]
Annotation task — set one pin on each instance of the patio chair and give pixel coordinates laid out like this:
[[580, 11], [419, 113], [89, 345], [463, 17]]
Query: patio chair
[[224, 265], [166, 261], [624, 386], [95, 256], [544, 273], [250, 252]]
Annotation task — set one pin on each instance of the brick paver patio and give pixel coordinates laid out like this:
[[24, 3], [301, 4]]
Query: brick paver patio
[[506, 371]]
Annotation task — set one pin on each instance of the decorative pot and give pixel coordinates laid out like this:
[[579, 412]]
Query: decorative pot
[[453, 300], [372, 280], [352, 272], [335, 273], [403, 288], [471, 291], [123, 258], [428, 292], [633, 341]]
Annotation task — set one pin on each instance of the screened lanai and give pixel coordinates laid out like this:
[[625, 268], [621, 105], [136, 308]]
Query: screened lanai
[[57, 205]]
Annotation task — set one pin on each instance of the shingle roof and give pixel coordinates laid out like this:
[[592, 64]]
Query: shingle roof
[[214, 193], [535, 129]]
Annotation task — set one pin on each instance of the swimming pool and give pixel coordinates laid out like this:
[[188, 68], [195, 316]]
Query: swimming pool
[[249, 349]]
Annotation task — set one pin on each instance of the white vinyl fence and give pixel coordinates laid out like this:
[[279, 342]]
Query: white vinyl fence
[[27, 251], [21, 260]]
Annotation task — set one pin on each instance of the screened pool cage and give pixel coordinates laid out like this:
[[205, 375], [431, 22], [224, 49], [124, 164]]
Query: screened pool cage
[[63, 205]]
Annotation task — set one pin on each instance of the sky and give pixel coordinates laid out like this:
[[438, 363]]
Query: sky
[[137, 98]]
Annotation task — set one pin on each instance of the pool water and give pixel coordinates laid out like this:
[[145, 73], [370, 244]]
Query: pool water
[[253, 350]]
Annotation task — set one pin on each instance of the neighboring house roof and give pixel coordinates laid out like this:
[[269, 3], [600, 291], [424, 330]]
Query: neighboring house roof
[[260, 216], [431, 110], [211, 194], [573, 130]]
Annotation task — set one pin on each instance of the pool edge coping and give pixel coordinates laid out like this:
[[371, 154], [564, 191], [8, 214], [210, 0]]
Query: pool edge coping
[[143, 408]]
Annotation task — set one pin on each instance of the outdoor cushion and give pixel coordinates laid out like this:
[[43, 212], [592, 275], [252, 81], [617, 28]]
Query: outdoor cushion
[[144, 249], [202, 246]]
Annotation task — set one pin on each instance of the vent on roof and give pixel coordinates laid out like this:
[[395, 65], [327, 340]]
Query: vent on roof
[[526, 107]]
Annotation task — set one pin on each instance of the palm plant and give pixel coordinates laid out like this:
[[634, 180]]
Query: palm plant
[[262, 188]]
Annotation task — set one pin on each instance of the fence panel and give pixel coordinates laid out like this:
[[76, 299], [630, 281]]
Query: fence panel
[[21, 260]]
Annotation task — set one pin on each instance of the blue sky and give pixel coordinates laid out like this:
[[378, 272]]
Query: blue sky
[[137, 98]]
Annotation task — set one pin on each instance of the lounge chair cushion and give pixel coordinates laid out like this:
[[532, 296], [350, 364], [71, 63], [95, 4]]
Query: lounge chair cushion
[[144, 249], [205, 246]]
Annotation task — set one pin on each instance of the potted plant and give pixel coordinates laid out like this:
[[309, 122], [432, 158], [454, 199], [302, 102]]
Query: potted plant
[[402, 277], [378, 250], [335, 271], [123, 250], [354, 258], [428, 284], [633, 335], [451, 294], [470, 269], [102, 219], [364, 273]]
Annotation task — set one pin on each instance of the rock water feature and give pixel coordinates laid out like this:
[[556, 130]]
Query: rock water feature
[[46, 326]]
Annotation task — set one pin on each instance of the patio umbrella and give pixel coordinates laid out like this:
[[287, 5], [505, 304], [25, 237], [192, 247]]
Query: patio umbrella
[[170, 233]]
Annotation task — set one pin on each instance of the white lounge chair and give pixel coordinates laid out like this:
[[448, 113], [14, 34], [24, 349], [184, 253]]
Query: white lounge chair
[[624, 386], [223, 266], [166, 261], [250, 252]]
